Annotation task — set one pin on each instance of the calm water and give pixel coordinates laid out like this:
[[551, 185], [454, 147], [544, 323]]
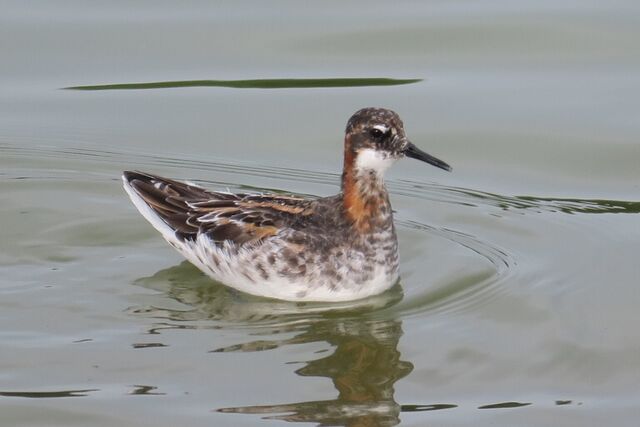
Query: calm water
[[519, 297]]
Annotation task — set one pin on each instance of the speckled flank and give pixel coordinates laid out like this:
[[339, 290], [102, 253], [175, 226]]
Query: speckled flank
[[329, 249]]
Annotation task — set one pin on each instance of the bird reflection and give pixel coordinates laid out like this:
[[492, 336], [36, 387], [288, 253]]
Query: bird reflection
[[364, 366]]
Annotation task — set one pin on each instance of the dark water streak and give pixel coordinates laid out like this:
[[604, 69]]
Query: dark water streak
[[47, 394], [255, 84]]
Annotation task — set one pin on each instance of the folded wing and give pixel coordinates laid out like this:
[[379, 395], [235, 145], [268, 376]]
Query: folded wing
[[189, 210]]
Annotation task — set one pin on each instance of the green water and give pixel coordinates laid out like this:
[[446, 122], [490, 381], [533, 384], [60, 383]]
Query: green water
[[518, 303]]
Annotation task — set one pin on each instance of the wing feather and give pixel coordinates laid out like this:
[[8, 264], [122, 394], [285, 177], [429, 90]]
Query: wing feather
[[191, 210]]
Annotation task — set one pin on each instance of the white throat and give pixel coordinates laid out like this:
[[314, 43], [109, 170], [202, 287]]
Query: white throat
[[374, 160]]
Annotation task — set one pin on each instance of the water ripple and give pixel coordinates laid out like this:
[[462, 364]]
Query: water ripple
[[461, 293], [408, 188]]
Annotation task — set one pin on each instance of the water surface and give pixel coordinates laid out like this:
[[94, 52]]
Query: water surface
[[518, 298]]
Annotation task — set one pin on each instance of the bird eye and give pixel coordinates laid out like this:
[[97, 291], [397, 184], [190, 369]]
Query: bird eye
[[376, 133]]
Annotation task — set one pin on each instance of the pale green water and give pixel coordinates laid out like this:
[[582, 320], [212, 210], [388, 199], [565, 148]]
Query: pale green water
[[518, 304]]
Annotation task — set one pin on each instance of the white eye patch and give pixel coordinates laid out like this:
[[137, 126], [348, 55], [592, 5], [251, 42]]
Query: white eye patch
[[381, 128]]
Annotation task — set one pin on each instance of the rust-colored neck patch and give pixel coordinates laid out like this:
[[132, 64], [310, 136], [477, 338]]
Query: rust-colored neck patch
[[365, 198]]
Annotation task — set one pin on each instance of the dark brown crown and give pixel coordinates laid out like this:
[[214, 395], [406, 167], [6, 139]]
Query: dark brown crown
[[370, 116]]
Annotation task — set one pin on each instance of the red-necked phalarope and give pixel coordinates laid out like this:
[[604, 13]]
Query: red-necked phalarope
[[336, 248]]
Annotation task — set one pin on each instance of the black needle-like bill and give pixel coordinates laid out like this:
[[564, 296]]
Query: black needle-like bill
[[416, 153]]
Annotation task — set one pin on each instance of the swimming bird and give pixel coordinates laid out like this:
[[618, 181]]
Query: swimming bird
[[336, 248]]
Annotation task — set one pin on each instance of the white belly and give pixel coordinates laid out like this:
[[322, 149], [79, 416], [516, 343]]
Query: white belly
[[248, 270]]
